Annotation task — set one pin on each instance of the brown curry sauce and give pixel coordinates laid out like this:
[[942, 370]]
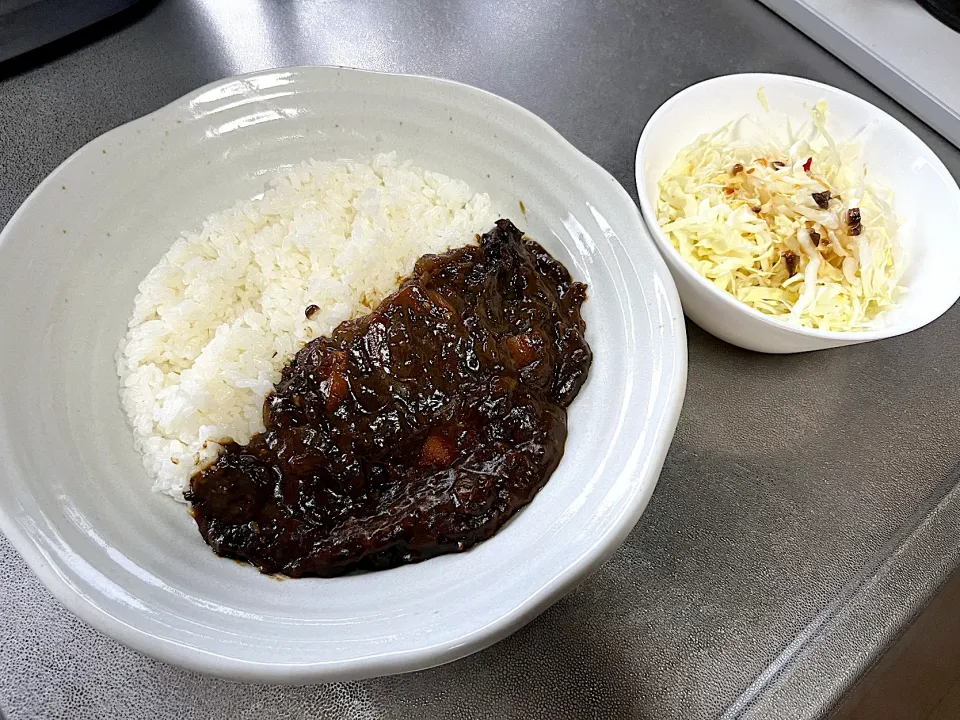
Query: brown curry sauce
[[414, 431]]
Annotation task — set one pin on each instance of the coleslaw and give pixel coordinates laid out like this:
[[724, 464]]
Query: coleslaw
[[785, 222]]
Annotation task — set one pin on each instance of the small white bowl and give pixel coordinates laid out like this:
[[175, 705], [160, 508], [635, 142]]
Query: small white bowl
[[927, 198]]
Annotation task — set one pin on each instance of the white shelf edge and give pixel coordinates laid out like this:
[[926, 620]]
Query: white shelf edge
[[834, 39]]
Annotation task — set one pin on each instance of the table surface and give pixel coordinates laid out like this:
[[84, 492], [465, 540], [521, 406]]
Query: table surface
[[808, 506]]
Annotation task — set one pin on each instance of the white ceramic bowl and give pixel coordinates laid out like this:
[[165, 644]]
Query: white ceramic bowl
[[74, 499], [928, 202]]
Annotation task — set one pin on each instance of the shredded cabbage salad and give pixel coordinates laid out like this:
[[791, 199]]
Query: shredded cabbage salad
[[785, 222]]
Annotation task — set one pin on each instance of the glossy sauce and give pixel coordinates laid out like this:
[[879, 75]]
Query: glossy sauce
[[416, 430]]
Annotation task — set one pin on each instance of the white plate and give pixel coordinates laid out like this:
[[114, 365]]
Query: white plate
[[927, 197], [76, 502]]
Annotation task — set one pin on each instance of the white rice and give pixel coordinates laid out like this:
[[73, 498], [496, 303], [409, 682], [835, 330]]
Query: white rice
[[222, 313]]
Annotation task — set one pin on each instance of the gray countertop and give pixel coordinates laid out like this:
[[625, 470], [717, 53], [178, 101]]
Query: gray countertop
[[808, 506]]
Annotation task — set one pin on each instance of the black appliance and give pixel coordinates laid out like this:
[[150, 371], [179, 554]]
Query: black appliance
[[946, 11]]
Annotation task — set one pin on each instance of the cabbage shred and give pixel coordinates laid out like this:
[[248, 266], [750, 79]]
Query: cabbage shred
[[742, 212]]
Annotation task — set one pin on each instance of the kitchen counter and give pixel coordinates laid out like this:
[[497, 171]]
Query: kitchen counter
[[808, 506]]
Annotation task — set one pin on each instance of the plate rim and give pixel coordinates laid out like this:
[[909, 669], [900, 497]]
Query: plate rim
[[673, 387]]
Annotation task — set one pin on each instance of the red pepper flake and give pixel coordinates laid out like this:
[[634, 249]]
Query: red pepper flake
[[729, 190], [808, 164]]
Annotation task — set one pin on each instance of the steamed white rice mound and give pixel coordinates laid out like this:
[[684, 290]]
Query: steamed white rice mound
[[222, 313]]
